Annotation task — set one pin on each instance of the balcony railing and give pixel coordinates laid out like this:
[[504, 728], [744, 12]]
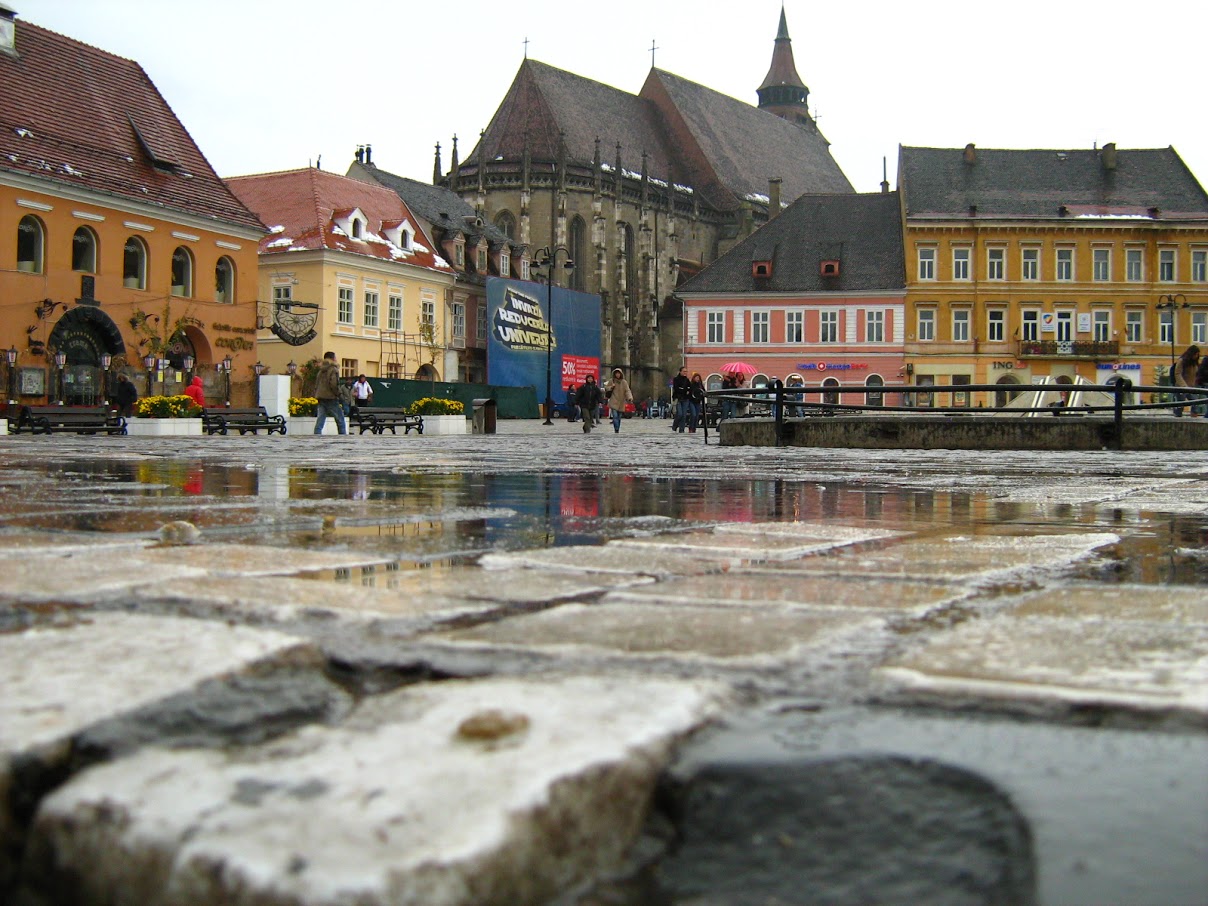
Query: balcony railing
[[1099, 349]]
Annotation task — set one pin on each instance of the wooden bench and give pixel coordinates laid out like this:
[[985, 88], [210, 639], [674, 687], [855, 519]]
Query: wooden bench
[[253, 418], [377, 419], [78, 419]]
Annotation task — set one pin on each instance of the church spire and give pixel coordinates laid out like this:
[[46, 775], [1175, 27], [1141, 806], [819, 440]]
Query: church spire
[[782, 92]]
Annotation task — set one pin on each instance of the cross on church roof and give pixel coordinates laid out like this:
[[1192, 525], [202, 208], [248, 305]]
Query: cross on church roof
[[653, 48]]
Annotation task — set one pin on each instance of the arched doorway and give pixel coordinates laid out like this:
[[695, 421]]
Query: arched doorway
[[830, 397], [88, 338], [1010, 390], [874, 397], [426, 373]]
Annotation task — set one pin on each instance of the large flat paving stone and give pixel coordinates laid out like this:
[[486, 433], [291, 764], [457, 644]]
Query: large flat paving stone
[[765, 636], [608, 558], [447, 794], [83, 576], [1134, 647], [61, 681]]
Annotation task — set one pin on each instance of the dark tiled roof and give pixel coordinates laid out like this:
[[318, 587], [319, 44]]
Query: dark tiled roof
[[745, 146], [443, 209], [862, 232], [737, 147], [1038, 183], [301, 205], [81, 117]]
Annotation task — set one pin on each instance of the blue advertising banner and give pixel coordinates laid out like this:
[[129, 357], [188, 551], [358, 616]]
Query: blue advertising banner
[[519, 321]]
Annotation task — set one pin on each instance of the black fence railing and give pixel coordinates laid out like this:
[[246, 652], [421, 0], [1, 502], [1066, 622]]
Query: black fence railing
[[809, 401]]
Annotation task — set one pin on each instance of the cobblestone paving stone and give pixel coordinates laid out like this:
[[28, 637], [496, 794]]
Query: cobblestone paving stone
[[202, 644]]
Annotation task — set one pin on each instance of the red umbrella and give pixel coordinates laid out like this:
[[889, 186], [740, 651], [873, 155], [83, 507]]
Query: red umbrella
[[739, 368]]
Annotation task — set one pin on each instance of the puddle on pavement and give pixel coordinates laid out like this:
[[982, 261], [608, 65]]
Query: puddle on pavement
[[433, 521]]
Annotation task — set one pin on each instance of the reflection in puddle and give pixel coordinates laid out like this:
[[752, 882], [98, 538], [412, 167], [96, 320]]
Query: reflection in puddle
[[421, 519]]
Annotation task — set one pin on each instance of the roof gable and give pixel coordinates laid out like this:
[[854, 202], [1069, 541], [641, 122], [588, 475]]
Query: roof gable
[[81, 117], [862, 232]]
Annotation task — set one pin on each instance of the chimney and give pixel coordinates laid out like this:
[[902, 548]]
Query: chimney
[[774, 196], [1109, 156], [369, 154], [8, 30], [970, 154], [360, 154]]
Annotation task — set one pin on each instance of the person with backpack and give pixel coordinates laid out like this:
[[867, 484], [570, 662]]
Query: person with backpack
[[328, 391]]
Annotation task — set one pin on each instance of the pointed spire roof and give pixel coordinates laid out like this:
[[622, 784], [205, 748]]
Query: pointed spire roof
[[783, 70]]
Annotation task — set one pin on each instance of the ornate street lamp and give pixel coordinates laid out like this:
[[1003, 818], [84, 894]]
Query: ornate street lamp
[[260, 370], [547, 260], [106, 361], [1172, 302], [292, 368], [60, 364], [11, 355], [226, 367]]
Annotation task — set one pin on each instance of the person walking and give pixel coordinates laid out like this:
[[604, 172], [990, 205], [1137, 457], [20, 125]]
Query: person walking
[[680, 392], [696, 402], [125, 396], [572, 408], [1185, 370], [327, 392], [588, 397], [619, 395], [1201, 383], [195, 392]]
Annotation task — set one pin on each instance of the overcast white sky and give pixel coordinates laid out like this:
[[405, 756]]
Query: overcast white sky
[[266, 86]]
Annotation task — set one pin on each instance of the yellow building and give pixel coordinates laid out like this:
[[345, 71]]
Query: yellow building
[[1026, 265], [118, 242], [347, 268]]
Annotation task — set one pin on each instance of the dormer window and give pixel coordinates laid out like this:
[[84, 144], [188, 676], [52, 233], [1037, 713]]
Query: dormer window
[[505, 265], [357, 229], [459, 254], [761, 270], [482, 260], [829, 268]]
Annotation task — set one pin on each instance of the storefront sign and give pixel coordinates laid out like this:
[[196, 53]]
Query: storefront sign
[[1119, 366], [831, 366], [1003, 366]]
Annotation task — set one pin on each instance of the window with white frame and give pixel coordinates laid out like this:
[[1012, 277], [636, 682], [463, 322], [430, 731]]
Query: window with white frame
[[427, 312], [1101, 261], [344, 305], [715, 327], [1166, 327], [283, 295], [371, 309], [1166, 269], [83, 251], [996, 325], [394, 312], [1029, 328], [459, 320], [1101, 325], [828, 327], [794, 327], [960, 263], [926, 264], [996, 264], [1065, 264], [31, 245], [524, 269], [505, 265], [1134, 319], [926, 324], [874, 327], [1030, 263], [1134, 265], [1199, 265], [1065, 326], [960, 325], [760, 326], [1199, 327], [182, 272], [481, 264]]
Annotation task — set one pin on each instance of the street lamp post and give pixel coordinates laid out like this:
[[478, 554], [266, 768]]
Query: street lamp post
[[60, 364], [11, 355], [547, 259], [149, 364], [226, 367], [260, 369], [106, 361], [1172, 302]]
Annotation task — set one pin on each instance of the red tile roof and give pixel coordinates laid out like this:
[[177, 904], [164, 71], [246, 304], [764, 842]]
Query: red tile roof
[[300, 208], [82, 117]]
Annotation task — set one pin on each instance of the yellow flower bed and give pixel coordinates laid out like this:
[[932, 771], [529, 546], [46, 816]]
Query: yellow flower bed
[[303, 406], [431, 405], [167, 407]]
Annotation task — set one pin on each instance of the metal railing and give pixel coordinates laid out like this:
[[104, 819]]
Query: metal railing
[[813, 400]]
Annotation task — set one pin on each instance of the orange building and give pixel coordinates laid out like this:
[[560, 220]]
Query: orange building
[[120, 248]]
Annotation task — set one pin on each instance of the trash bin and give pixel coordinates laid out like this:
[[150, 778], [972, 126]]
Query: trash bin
[[484, 416]]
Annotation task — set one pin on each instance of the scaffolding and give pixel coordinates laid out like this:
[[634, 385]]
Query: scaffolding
[[393, 352]]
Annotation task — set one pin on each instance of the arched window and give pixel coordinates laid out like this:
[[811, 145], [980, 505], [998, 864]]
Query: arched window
[[182, 272], [134, 264], [31, 243], [506, 224], [83, 251], [877, 398], [224, 280], [1012, 390], [356, 228], [578, 253]]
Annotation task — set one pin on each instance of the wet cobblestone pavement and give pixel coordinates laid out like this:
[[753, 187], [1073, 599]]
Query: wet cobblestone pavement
[[544, 667]]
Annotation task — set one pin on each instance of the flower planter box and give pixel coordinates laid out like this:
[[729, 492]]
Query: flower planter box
[[445, 424], [161, 427]]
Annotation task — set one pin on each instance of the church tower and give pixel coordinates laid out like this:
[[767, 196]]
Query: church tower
[[782, 92]]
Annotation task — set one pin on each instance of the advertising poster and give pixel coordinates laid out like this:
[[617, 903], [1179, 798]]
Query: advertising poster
[[522, 329]]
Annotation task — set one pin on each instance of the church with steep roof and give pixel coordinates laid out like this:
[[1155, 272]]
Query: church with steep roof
[[643, 190]]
